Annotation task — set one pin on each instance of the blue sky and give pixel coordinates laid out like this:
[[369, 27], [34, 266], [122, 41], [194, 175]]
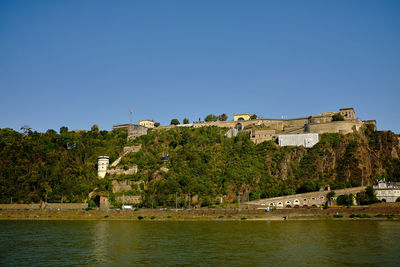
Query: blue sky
[[79, 63]]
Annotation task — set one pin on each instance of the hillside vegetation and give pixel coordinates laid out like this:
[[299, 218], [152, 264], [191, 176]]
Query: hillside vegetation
[[49, 166], [203, 163]]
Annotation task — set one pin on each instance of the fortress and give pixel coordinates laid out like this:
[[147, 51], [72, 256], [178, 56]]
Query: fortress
[[261, 129], [298, 131]]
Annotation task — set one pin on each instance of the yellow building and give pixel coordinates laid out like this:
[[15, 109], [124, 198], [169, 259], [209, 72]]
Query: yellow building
[[147, 123], [241, 117]]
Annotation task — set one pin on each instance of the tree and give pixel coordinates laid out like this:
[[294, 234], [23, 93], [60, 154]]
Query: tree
[[185, 121], [175, 122], [330, 196], [156, 124], [368, 196], [26, 129], [337, 117], [222, 117], [253, 117], [345, 200], [63, 129], [211, 117]]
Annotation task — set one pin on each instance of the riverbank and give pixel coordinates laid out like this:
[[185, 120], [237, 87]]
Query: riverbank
[[381, 211]]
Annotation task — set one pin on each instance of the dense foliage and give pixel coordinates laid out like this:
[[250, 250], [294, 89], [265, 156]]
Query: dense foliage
[[203, 163], [50, 166]]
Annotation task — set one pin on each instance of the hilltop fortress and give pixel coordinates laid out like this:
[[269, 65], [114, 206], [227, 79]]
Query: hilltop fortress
[[261, 129]]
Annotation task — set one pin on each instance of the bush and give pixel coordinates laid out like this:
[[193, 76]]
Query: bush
[[338, 215], [345, 200], [337, 117]]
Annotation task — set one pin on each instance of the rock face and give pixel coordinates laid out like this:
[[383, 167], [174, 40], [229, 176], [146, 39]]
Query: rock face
[[359, 157]]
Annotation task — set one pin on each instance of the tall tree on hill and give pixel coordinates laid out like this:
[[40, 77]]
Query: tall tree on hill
[[337, 117], [211, 117], [223, 117], [185, 121], [175, 122]]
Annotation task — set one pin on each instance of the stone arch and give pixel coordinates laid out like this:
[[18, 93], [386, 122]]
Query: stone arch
[[383, 200], [279, 204], [239, 127], [271, 204], [288, 204], [296, 202]]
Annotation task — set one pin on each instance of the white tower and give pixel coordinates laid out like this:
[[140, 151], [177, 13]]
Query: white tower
[[102, 165]]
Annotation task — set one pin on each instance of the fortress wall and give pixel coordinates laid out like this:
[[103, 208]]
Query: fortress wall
[[119, 186], [128, 199], [343, 127], [306, 199]]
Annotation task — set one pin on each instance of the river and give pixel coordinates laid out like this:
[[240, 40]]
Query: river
[[204, 243]]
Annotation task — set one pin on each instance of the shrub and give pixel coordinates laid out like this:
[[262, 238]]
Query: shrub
[[337, 117], [338, 215]]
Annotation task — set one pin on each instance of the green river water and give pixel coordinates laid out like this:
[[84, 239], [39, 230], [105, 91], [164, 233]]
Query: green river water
[[200, 243]]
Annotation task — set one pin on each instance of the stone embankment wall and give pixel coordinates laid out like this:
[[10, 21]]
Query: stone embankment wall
[[303, 200], [117, 171], [44, 205], [126, 151], [128, 199], [123, 185]]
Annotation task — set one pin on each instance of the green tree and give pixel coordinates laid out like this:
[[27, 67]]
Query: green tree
[[222, 117], [330, 196], [156, 124], [63, 129], [253, 117], [185, 121], [211, 117], [368, 196], [345, 200], [337, 117], [175, 122]]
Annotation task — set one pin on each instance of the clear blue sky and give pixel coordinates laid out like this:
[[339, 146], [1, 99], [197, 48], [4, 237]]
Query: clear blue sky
[[78, 63]]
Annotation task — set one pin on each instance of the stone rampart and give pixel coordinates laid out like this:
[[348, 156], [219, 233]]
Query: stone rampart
[[303, 200], [343, 127], [128, 199], [118, 171], [123, 185]]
